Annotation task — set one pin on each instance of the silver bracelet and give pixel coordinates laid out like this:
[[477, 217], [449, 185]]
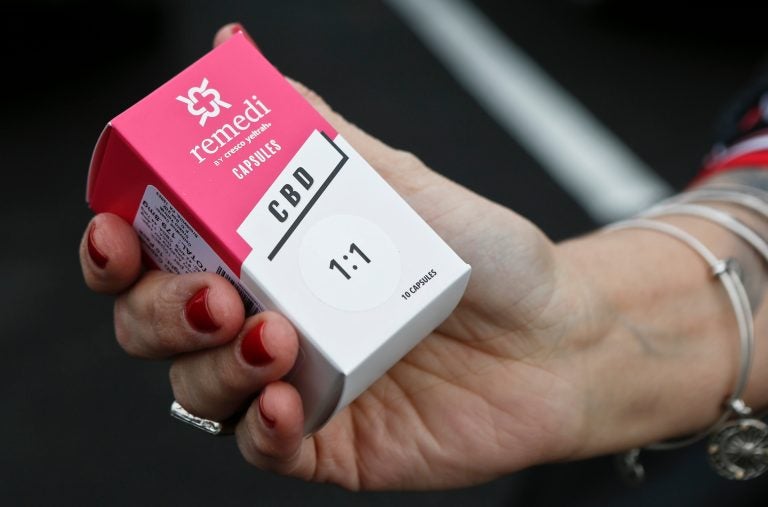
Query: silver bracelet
[[727, 195], [722, 218], [735, 187], [738, 449]]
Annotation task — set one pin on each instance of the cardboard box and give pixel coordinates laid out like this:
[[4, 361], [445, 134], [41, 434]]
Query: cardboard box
[[227, 169]]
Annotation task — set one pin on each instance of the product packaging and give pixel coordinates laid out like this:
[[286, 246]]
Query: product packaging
[[227, 169]]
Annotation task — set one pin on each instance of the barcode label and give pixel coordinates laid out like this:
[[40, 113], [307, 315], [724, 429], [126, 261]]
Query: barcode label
[[175, 246], [250, 303]]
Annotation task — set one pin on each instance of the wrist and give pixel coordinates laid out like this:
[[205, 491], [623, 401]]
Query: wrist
[[657, 352]]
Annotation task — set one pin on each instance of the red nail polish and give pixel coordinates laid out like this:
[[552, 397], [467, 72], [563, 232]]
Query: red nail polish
[[253, 349], [269, 421], [97, 257], [238, 28], [198, 314]]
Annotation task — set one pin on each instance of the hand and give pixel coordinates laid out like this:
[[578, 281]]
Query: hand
[[475, 399], [539, 362]]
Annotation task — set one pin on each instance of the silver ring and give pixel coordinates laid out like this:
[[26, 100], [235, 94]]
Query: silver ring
[[207, 425]]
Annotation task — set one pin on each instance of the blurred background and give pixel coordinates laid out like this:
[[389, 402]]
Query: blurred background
[[571, 113]]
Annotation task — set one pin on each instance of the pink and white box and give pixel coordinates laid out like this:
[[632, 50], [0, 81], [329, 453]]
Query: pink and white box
[[227, 169]]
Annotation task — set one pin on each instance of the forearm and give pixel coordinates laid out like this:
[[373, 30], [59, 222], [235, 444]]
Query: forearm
[[662, 351]]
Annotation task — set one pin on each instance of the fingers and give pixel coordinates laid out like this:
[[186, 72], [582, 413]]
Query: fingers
[[110, 255], [165, 315], [217, 383], [369, 147], [403, 170], [227, 31], [270, 436]]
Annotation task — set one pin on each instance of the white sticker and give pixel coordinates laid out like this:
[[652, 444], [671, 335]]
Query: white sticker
[[176, 247], [349, 263]]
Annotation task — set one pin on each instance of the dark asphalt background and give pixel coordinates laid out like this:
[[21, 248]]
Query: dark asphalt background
[[83, 424]]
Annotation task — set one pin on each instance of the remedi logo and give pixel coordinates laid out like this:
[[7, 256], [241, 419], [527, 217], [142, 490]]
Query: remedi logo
[[210, 107], [206, 102]]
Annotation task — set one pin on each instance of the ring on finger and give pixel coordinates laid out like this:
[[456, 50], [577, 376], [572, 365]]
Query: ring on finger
[[217, 428]]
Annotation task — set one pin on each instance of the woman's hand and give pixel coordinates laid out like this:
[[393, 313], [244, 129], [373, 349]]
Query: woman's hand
[[475, 399], [534, 356]]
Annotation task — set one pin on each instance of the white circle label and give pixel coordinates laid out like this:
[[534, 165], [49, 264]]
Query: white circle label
[[349, 263]]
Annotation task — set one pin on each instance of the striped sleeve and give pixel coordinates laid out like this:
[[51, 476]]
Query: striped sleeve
[[742, 135]]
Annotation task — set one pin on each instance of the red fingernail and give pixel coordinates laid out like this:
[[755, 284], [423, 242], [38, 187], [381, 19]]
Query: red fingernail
[[238, 28], [198, 314], [253, 349], [97, 257], [269, 421]]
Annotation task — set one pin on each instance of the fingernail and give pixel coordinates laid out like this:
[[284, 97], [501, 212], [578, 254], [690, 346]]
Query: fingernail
[[97, 257], [238, 28], [253, 349], [269, 421], [198, 314]]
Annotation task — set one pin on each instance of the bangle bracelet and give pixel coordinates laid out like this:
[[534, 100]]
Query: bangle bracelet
[[735, 187], [721, 218], [738, 449], [730, 196]]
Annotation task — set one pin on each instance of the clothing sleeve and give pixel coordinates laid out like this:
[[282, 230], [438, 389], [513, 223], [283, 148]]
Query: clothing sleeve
[[741, 135]]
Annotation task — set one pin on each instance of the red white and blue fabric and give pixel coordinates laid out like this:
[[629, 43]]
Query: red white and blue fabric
[[745, 142]]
